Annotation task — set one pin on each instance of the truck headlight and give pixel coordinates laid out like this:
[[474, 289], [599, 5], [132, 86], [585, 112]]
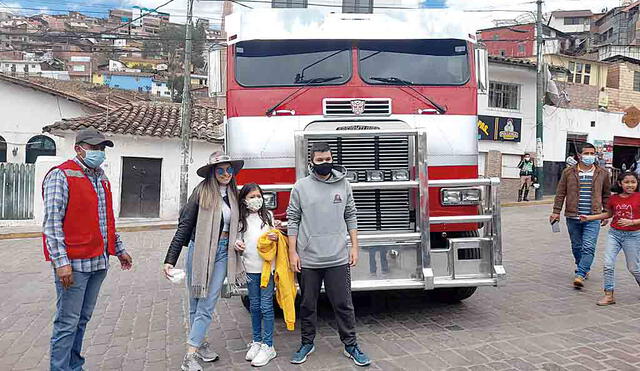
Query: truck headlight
[[375, 176], [460, 196], [270, 200], [400, 175]]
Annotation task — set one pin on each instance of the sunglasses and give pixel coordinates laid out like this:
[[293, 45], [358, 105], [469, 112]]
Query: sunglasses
[[220, 171]]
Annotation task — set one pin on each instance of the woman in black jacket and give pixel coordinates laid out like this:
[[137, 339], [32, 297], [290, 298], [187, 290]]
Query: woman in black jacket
[[207, 223]]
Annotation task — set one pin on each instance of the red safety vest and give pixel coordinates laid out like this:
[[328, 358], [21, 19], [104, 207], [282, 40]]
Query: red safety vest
[[81, 225]]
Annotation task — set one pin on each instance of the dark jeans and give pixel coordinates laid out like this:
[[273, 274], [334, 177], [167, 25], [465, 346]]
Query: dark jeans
[[584, 237], [337, 285], [384, 263]]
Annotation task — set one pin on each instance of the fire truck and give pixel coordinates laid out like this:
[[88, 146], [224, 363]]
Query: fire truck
[[395, 95]]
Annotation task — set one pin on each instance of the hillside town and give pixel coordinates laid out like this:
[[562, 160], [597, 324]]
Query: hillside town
[[399, 185]]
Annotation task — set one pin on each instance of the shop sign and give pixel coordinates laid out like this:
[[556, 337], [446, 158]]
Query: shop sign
[[631, 117], [503, 129]]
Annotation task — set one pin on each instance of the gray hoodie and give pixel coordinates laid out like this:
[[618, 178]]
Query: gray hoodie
[[320, 213]]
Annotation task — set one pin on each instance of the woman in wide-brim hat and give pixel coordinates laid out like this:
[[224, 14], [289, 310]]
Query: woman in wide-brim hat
[[207, 223]]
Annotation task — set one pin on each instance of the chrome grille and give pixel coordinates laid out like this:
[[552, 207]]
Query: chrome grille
[[377, 210], [343, 107]]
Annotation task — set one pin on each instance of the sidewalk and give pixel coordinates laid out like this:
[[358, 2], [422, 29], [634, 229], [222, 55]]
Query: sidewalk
[[32, 230], [546, 200]]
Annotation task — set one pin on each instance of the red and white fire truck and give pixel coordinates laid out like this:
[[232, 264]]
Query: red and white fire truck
[[395, 95]]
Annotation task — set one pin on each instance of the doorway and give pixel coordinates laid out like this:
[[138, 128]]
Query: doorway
[[140, 196]]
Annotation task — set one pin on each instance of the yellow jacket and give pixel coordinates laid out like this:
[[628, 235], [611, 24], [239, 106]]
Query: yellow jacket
[[283, 276]]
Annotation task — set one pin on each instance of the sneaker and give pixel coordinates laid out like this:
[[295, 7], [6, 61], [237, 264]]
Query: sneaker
[[190, 363], [254, 348], [358, 357], [265, 355], [205, 353], [301, 355], [578, 282]]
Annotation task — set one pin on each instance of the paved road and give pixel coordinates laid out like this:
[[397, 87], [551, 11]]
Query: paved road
[[536, 322]]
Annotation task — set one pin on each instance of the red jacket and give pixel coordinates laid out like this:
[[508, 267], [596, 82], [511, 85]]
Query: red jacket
[[81, 226]]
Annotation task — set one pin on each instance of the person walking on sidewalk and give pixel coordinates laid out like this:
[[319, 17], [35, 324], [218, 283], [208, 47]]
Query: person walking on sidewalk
[[526, 177], [624, 234], [79, 235], [321, 213], [584, 189], [207, 223]]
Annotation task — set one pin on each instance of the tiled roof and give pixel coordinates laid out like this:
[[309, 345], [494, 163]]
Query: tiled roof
[[153, 119], [98, 97]]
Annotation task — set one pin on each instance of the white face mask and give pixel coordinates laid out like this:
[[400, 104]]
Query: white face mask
[[254, 204]]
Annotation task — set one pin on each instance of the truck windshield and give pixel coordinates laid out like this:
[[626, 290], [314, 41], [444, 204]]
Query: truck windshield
[[418, 62], [292, 62]]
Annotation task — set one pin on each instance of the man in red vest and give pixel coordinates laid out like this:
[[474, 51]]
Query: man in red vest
[[79, 235]]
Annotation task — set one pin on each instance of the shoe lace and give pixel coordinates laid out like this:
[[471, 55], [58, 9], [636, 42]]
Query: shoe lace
[[304, 346], [356, 350]]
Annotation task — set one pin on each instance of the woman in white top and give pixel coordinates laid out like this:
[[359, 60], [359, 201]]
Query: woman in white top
[[255, 220]]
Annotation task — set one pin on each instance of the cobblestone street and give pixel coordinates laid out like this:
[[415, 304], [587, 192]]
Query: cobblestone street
[[537, 321]]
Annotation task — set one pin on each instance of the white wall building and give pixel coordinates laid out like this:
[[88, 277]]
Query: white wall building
[[571, 21], [507, 120], [160, 89], [144, 165], [26, 108], [20, 67]]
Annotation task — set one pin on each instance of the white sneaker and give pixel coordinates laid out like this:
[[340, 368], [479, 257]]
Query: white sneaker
[[254, 348], [263, 357]]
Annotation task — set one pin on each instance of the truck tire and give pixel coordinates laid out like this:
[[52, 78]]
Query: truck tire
[[453, 295]]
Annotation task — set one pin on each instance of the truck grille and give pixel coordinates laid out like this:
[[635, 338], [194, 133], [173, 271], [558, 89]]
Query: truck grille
[[357, 106], [377, 210]]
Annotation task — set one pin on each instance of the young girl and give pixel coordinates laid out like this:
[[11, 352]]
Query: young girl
[[624, 234], [255, 220]]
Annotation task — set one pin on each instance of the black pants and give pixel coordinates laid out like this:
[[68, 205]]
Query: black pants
[[337, 285]]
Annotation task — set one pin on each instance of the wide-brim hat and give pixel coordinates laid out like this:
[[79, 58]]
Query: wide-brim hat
[[218, 158]]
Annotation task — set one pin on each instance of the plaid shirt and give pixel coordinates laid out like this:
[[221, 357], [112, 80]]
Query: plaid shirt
[[56, 196]]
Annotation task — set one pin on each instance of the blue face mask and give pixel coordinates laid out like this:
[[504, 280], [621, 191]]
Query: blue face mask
[[94, 159], [588, 159]]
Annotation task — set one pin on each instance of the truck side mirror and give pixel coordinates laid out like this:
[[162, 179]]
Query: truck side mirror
[[482, 70]]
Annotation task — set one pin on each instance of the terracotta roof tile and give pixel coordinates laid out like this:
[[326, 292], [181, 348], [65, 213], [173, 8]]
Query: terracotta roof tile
[[153, 119]]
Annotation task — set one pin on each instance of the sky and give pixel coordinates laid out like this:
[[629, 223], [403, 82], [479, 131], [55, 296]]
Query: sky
[[491, 9]]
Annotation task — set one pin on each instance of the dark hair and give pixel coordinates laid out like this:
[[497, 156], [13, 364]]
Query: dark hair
[[586, 145], [617, 188], [319, 147], [244, 210]]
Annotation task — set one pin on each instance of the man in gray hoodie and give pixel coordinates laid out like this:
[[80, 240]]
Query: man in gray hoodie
[[321, 215]]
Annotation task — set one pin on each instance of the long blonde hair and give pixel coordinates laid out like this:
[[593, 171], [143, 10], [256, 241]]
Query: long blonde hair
[[209, 189]]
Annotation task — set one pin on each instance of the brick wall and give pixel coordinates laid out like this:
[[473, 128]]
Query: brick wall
[[579, 95], [613, 77], [624, 97]]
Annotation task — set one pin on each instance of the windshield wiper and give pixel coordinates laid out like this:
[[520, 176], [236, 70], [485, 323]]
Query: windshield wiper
[[391, 80], [300, 75], [317, 80]]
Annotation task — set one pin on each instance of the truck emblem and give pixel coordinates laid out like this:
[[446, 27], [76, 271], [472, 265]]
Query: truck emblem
[[357, 106], [358, 127]]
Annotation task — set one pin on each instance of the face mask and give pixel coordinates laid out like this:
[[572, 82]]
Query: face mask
[[588, 159], [323, 169], [254, 204], [94, 159]]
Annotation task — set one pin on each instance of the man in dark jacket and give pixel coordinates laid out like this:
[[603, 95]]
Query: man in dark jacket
[[584, 189], [322, 213]]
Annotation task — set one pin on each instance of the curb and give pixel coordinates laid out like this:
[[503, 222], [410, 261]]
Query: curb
[[527, 203], [138, 228]]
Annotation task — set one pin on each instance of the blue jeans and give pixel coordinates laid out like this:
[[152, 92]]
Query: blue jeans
[[629, 242], [584, 237], [201, 309], [384, 263], [74, 307], [261, 305]]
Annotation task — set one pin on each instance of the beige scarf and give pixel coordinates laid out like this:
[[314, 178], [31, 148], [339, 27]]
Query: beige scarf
[[206, 246]]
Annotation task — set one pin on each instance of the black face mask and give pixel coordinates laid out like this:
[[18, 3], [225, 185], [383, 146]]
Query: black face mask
[[322, 169]]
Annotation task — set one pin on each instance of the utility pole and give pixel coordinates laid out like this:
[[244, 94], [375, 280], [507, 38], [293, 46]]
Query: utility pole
[[186, 109], [539, 102]]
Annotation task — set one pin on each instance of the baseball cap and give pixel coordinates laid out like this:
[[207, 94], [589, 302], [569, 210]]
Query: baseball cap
[[92, 136]]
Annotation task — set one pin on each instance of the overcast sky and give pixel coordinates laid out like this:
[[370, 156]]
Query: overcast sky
[[212, 9]]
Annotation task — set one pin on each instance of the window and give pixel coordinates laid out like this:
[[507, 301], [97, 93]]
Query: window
[[579, 73], [520, 48], [636, 80], [504, 95], [495, 36], [288, 3], [78, 68], [292, 62], [357, 6], [574, 20], [40, 145], [503, 53], [3, 150]]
